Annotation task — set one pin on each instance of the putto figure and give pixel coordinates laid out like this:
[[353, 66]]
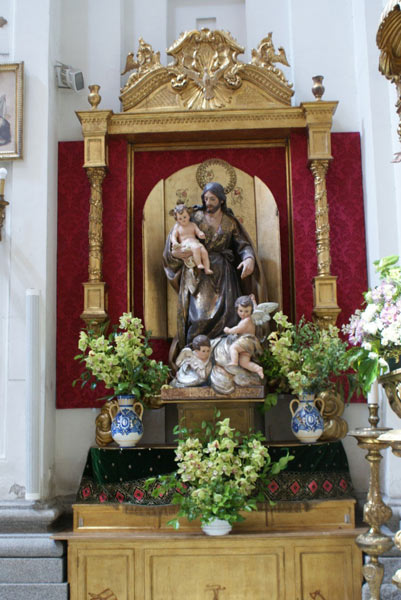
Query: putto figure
[[194, 364], [184, 237], [246, 343]]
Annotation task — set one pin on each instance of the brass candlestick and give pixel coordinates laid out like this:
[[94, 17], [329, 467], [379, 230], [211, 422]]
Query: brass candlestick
[[375, 511]]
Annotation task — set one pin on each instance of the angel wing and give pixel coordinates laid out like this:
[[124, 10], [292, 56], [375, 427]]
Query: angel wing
[[261, 314]]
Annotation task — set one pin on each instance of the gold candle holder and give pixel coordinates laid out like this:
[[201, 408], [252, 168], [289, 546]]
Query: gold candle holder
[[375, 512]]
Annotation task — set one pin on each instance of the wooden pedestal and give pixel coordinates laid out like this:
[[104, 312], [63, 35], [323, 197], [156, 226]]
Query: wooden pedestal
[[198, 404]]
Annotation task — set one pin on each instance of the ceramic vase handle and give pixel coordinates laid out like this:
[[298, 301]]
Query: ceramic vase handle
[[138, 408], [292, 404], [321, 409]]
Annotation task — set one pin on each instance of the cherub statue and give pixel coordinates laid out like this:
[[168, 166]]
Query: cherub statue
[[247, 344], [194, 364], [184, 237]]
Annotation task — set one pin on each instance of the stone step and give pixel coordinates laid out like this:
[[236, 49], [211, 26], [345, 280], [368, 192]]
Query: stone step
[[38, 545], [32, 570], [36, 591], [28, 516]]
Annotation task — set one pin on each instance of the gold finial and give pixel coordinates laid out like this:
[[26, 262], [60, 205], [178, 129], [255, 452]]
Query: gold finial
[[318, 87], [94, 97]]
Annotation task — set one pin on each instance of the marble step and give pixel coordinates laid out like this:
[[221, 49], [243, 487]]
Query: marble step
[[36, 591], [32, 570]]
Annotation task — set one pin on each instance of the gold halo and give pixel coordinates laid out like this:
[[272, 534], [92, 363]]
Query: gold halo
[[229, 175]]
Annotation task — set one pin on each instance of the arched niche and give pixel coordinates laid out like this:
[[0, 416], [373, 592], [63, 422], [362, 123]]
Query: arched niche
[[252, 203]]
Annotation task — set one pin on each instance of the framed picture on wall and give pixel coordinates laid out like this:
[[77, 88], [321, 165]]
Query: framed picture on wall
[[11, 110]]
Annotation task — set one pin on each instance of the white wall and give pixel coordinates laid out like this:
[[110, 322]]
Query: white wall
[[334, 39], [29, 243]]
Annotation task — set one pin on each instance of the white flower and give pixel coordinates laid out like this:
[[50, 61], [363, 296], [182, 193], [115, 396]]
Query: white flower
[[373, 355], [371, 328], [369, 312], [383, 363], [367, 346]]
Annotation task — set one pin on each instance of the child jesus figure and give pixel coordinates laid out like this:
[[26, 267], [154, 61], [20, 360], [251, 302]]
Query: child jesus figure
[[184, 237]]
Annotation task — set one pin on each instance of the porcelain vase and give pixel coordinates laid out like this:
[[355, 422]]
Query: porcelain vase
[[307, 422], [217, 527], [126, 426]]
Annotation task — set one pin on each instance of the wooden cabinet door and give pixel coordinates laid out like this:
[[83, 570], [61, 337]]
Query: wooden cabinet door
[[214, 573], [327, 572], [102, 574]]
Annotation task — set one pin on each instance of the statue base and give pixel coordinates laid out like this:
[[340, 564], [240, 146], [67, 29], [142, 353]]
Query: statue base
[[197, 404]]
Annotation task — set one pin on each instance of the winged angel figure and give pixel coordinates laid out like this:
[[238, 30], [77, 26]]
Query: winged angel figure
[[246, 344]]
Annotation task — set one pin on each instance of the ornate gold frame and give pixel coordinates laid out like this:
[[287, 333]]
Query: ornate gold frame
[[206, 97]]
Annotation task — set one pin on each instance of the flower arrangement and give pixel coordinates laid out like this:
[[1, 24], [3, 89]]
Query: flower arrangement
[[121, 359], [375, 331], [303, 357], [217, 473]]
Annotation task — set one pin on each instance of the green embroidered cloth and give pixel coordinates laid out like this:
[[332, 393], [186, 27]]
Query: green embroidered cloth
[[118, 474]]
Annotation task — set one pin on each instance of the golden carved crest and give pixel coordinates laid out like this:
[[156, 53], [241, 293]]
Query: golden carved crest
[[205, 68], [206, 75]]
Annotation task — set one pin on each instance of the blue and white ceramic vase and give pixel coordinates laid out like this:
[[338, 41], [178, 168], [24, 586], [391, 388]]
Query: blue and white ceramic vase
[[307, 422], [126, 426]]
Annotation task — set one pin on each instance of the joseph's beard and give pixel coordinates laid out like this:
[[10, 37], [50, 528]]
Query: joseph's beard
[[212, 209]]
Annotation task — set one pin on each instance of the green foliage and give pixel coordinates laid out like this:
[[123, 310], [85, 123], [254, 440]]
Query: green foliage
[[217, 473], [121, 359], [306, 357]]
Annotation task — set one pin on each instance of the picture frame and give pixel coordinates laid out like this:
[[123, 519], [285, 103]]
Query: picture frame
[[11, 110]]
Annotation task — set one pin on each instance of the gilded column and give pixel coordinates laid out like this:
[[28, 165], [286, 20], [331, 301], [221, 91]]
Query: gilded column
[[319, 120], [94, 128]]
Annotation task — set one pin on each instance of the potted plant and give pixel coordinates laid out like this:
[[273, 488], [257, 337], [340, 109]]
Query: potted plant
[[217, 476], [122, 361], [305, 360], [375, 330]]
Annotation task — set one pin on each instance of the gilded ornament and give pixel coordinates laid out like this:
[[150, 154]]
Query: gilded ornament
[[205, 75], [147, 61], [265, 56], [375, 512], [205, 68], [103, 423], [318, 87], [388, 40], [391, 383], [335, 427], [94, 97], [205, 174]]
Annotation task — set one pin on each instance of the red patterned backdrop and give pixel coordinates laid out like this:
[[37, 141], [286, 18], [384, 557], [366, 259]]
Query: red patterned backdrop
[[344, 183]]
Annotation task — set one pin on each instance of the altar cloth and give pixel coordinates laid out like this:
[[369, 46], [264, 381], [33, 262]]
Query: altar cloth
[[318, 471]]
